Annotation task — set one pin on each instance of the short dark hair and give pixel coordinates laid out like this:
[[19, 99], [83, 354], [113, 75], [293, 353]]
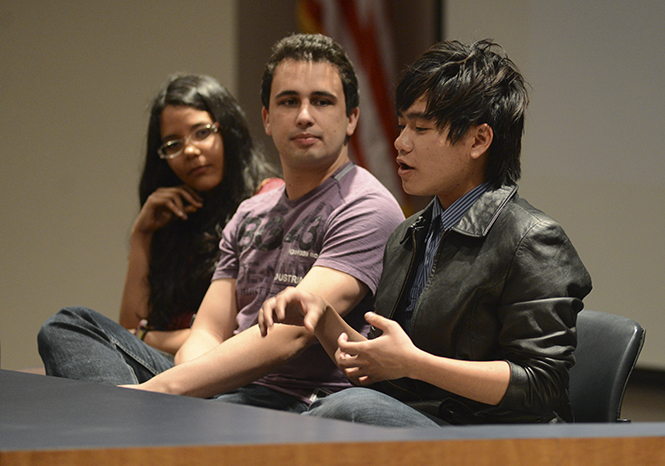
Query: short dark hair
[[469, 85], [312, 48]]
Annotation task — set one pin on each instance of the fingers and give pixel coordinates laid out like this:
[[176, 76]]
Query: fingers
[[265, 319], [292, 307], [192, 198], [351, 348], [176, 206], [355, 369], [347, 352], [267, 313], [378, 321], [165, 204], [357, 376], [310, 319], [275, 309], [181, 200]]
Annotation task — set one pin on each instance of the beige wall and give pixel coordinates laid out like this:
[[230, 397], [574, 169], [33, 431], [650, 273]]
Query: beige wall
[[76, 78], [76, 81], [593, 158]]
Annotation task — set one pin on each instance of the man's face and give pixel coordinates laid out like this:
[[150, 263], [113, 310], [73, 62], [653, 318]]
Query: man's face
[[429, 164], [307, 117]]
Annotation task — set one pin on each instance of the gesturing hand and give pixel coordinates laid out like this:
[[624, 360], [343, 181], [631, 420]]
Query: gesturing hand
[[383, 358], [293, 307], [165, 204]]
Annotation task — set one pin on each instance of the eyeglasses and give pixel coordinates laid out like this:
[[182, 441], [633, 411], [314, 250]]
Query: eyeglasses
[[175, 147]]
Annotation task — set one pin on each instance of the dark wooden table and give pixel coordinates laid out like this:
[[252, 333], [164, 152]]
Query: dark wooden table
[[46, 420]]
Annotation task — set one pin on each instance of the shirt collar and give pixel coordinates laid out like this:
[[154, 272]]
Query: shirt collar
[[453, 214]]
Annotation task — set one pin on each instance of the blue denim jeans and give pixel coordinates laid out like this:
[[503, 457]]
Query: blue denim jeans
[[367, 406], [263, 397], [79, 343]]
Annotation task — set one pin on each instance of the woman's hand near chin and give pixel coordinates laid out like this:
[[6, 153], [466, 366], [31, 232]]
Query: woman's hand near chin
[[161, 207], [164, 205]]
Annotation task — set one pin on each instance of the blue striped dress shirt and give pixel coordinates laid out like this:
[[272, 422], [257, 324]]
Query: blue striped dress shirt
[[442, 220]]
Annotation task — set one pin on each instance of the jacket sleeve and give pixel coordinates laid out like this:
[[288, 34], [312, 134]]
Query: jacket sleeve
[[541, 298]]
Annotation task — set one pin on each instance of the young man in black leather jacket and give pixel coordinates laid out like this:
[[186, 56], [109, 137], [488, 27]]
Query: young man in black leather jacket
[[477, 303]]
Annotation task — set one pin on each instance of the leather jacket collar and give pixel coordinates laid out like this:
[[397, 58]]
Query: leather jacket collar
[[477, 221]]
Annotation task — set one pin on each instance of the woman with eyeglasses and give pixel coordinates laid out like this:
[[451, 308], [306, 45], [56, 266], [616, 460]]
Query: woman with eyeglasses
[[200, 164]]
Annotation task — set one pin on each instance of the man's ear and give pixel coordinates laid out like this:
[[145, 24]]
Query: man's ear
[[483, 135], [353, 121], [266, 120]]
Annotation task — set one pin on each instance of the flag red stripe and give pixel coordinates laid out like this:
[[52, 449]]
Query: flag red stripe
[[366, 43]]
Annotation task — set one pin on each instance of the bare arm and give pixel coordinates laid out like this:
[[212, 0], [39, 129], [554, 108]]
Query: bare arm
[[215, 321], [211, 362], [389, 356], [134, 305], [161, 207], [168, 341], [483, 381], [294, 306], [393, 355]]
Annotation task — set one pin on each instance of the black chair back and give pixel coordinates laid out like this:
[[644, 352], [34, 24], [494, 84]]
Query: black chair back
[[608, 346]]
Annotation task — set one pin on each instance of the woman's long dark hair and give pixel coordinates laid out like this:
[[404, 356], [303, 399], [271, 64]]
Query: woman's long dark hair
[[183, 254]]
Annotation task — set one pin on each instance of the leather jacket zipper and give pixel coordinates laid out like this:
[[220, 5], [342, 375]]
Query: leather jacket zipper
[[408, 273], [399, 300]]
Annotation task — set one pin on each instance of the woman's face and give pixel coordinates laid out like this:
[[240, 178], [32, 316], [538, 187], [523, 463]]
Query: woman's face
[[200, 165]]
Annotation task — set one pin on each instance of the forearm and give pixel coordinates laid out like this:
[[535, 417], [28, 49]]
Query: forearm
[[339, 293], [197, 344], [328, 329], [483, 381], [136, 293], [236, 362]]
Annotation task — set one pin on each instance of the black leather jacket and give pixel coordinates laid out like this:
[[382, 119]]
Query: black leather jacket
[[506, 284]]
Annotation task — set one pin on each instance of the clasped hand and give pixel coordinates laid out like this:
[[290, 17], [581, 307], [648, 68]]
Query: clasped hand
[[389, 356], [386, 357]]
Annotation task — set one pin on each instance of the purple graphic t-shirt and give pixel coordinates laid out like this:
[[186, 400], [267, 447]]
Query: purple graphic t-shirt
[[272, 242]]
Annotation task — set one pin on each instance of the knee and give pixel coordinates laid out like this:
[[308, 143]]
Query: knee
[[66, 318], [341, 405]]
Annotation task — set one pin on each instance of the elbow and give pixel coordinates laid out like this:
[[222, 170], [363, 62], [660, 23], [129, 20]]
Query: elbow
[[535, 389]]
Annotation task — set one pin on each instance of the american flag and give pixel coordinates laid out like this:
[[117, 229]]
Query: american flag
[[363, 28]]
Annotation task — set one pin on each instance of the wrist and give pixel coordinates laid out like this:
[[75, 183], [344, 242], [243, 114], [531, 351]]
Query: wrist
[[416, 364], [156, 384], [140, 243], [142, 329], [139, 233]]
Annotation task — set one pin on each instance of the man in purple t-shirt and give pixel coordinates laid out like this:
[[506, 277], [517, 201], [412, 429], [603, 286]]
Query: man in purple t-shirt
[[324, 232]]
